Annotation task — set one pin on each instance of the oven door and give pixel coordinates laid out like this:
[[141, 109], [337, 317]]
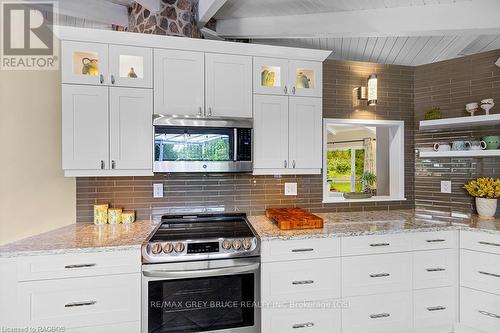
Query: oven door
[[202, 296]]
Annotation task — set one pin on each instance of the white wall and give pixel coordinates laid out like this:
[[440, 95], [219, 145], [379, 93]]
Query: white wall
[[34, 195]]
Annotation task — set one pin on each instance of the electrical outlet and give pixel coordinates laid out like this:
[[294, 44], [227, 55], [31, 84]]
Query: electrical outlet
[[157, 190], [446, 186], [290, 188]]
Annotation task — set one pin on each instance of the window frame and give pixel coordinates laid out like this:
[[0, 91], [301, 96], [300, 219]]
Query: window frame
[[396, 157]]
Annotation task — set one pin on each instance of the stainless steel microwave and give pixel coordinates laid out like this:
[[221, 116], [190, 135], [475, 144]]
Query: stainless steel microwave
[[202, 144]]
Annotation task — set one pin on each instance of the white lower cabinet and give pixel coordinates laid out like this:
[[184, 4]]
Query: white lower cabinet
[[310, 317], [435, 268], [129, 327], [480, 310], [382, 313], [434, 308], [480, 271]]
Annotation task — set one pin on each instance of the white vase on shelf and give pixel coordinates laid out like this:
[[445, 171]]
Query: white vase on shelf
[[486, 208]]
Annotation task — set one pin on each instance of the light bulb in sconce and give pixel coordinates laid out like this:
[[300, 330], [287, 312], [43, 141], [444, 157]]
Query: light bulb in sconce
[[498, 62], [372, 90]]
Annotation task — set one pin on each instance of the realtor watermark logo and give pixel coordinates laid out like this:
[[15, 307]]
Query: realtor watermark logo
[[27, 35]]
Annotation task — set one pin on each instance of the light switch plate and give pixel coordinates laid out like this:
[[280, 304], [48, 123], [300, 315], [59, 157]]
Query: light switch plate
[[290, 188], [446, 186], [158, 190]]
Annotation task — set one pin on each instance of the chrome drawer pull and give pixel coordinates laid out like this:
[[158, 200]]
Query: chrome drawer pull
[[303, 250], [435, 240], [489, 314], [79, 266], [380, 244], [303, 282], [303, 325], [73, 304], [488, 243], [489, 274], [380, 315], [436, 308], [435, 269], [379, 275]]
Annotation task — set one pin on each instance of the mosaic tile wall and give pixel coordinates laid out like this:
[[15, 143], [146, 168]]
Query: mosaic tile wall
[[450, 85], [253, 194]]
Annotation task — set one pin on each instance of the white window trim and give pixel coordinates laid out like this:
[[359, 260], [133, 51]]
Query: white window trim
[[396, 153]]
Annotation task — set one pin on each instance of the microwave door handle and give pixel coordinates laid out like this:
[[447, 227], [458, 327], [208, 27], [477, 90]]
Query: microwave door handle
[[235, 145], [166, 274]]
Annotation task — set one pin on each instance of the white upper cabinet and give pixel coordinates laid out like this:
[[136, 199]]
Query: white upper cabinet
[[305, 139], [130, 66], [228, 85], [179, 82], [84, 63], [306, 78], [107, 64], [270, 132], [131, 130], [270, 76], [84, 127]]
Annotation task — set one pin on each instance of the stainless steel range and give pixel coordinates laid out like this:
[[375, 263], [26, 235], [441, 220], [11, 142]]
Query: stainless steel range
[[201, 273]]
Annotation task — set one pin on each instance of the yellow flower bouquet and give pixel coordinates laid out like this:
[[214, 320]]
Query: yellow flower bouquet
[[484, 188]]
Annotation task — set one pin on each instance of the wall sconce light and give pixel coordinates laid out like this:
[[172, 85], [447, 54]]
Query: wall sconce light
[[498, 62], [372, 90], [368, 94]]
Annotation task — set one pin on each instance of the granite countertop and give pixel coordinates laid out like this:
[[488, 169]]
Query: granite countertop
[[371, 223], [82, 237]]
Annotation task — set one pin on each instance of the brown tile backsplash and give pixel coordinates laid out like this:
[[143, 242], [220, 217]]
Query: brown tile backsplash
[[450, 85], [253, 194]]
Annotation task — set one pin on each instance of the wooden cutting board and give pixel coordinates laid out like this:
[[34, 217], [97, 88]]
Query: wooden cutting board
[[294, 218]]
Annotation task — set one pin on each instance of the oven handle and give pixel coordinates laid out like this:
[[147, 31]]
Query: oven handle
[[200, 272]]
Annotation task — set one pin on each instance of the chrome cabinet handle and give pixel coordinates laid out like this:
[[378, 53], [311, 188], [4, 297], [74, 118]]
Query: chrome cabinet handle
[[489, 274], [379, 244], [101, 78], [285, 90], [303, 325], [303, 282], [488, 243], [200, 112], [380, 315], [293, 90], [102, 164], [79, 266], [293, 164], [285, 163], [85, 303], [113, 164], [435, 240], [489, 314], [210, 111], [437, 269], [303, 250], [436, 308], [379, 275], [112, 79]]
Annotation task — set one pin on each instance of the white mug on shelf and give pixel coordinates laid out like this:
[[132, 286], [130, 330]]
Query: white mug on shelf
[[443, 146], [476, 145]]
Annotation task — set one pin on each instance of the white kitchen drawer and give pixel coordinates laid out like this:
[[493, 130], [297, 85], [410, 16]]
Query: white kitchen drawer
[[435, 268], [376, 274], [480, 271], [375, 244], [78, 264], [311, 248], [79, 302], [302, 280], [309, 318], [434, 307], [434, 240], [130, 327], [378, 313], [480, 241], [480, 310]]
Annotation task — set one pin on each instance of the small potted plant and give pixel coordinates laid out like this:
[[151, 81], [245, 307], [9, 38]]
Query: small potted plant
[[368, 179], [486, 191]]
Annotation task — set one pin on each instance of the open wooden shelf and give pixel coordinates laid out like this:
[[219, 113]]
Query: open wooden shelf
[[460, 153], [467, 121]]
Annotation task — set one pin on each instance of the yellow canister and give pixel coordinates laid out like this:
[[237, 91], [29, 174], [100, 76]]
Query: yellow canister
[[101, 214], [114, 215], [128, 216]]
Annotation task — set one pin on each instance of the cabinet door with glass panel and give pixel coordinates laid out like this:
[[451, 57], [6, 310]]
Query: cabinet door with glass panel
[[270, 76], [305, 78], [84, 63], [130, 66]]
